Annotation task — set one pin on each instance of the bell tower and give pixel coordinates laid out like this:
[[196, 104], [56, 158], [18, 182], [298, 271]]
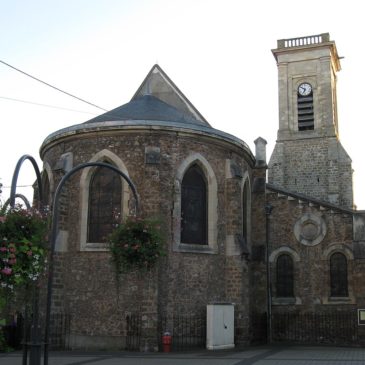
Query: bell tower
[[308, 157]]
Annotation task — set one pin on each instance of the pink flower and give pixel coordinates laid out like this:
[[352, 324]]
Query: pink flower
[[3, 249], [6, 271], [12, 261], [29, 253], [12, 249]]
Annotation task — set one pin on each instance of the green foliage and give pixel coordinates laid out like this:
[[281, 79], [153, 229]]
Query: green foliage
[[136, 244], [22, 248], [22, 257]]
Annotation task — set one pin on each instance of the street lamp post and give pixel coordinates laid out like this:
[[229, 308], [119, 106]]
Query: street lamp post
[[54, 229], [35, 335], [268, 210]]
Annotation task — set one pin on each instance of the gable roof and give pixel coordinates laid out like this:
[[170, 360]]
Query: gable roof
[[158, 84], [158, 98]]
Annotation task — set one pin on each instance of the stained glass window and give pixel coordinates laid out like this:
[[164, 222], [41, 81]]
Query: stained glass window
[[284, 276], [105, 201], [338, 274], [194, 207]]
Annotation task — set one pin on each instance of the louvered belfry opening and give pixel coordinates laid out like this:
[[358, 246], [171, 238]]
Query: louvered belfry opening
[[305, 112]]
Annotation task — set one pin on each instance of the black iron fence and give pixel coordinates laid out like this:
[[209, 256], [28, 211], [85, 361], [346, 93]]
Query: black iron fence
[[134, 331], [330, 327], [18, 332], [258, 326], [188, 330], [334, 327]]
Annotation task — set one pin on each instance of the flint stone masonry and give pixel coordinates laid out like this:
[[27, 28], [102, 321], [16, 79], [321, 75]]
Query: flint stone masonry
[[314, 167], [184, 282]]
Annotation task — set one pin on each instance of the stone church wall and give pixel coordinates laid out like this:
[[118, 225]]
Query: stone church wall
[[310, 234], [318, 168], [184, 282]]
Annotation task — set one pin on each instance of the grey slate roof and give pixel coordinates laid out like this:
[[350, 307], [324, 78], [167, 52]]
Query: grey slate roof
[[158, 104], [146, 107]]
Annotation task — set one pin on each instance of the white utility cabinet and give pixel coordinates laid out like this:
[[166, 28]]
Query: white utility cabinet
[[220, 326]]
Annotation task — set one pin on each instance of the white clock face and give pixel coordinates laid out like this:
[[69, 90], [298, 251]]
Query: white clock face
[[304, 89]]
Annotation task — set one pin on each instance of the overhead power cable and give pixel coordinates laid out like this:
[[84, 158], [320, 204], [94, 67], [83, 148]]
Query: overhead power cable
[[18, 186], [45, 105], [53, 87]]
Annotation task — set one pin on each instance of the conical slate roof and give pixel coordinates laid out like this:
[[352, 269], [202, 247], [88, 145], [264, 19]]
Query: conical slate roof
[[158, 103], [147, 107]]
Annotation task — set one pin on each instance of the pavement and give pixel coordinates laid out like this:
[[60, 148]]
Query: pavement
[[261, 355]]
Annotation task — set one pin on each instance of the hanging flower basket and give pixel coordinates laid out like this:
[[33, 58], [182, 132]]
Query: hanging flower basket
[[22, 248], [136, 244]]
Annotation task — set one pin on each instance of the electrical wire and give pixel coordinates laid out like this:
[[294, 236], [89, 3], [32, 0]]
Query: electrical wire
[[18, 186], [53, 87], [45, 105]]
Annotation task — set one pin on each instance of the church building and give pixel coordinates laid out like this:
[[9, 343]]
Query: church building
[[280, 240]]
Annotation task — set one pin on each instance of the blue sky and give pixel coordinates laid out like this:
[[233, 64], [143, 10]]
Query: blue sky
[[217, 52]]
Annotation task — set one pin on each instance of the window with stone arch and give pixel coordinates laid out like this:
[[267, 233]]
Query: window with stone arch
[[91, 180], [246, 211], [47, 186], [194, 206], [284, 276], [105, 203], [338, 275], [45, 189], [195, 172]]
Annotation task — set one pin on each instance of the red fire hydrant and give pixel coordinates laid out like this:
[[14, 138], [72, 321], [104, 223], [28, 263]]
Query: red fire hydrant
[[166, 342]]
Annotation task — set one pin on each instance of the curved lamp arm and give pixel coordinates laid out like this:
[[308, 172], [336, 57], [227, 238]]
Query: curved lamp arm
[[54, 229], [15, 179]]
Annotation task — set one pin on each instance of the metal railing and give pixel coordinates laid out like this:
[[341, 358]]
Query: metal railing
[[335, 327], [188, 330]]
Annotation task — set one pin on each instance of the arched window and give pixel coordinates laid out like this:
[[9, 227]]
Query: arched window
[[245, 211], [284, 276], [105, 201], [338, 275], [194, 207], [45, 189]]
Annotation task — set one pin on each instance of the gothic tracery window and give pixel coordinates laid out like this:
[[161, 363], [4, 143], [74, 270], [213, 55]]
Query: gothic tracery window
[[105, 201], [284, 276], [338, 275], [194, 207]]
